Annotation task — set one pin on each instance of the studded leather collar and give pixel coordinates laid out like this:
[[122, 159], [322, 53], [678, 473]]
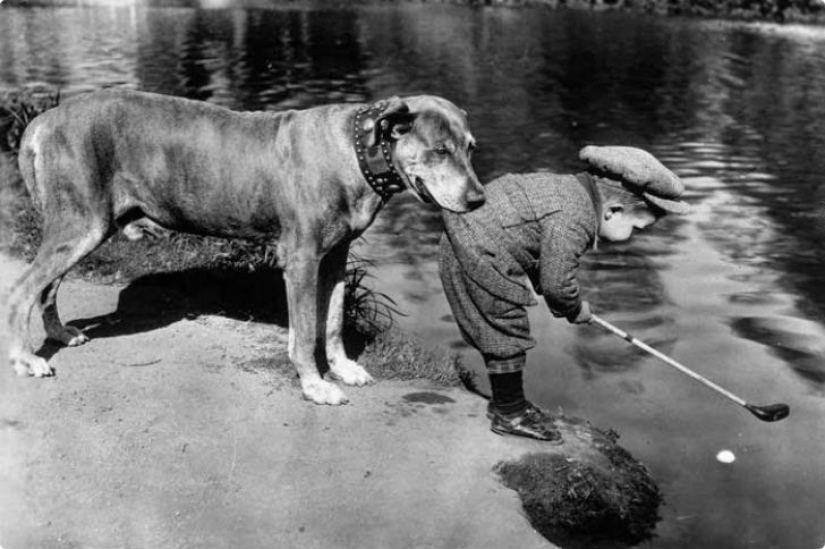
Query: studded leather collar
[[374, 152]]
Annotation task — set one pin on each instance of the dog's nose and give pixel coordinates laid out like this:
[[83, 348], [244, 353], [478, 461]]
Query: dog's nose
[[475, 198]]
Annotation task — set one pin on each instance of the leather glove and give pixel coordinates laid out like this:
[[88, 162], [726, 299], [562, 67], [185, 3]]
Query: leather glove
[[584, 315]]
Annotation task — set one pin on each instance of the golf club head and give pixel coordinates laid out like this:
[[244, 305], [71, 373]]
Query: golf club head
[[772, 412]]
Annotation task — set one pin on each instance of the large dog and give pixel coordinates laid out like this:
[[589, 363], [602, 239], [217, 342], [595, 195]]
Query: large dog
[[309, 181]]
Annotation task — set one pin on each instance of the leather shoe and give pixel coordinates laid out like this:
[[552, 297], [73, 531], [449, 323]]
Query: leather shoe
[[533, 422]]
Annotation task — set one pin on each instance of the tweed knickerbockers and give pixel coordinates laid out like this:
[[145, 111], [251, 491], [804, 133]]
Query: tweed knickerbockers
[[529, 235], [496, 327]]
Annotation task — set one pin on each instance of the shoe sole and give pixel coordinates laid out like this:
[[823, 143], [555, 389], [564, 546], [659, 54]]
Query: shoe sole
[[554, 442]]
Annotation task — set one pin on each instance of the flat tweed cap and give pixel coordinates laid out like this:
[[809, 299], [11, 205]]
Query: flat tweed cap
[[641, 172]]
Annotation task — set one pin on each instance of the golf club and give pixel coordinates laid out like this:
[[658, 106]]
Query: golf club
[[771, 412]]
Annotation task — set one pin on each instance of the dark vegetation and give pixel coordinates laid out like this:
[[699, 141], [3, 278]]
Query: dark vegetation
[[607, 502], [770, 10], [776, 10]]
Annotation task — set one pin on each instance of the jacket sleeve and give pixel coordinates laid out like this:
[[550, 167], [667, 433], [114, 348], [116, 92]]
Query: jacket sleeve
[[565, 238]]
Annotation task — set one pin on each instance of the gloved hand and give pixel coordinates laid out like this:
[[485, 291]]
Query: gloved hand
[[584, 316]]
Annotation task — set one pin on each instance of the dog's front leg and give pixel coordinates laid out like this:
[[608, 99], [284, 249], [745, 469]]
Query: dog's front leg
[[302, 295], [333, 284]]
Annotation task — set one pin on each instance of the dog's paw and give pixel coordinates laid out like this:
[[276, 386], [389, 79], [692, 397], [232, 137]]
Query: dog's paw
[[69, 336], [323, 392], [350, 373], [78, 339], [28, 364]]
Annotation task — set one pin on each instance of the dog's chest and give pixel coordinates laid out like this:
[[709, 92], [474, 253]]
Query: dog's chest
[[357, 219], [364, 212]]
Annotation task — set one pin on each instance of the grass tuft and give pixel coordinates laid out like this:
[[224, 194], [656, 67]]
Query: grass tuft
[[391, 354], [17, 109], [369, 312]]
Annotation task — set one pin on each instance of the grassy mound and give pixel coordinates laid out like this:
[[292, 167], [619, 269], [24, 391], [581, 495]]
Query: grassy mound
[[604, 500]]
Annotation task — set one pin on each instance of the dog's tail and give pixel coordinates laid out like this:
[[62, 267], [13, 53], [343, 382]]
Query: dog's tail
[[27, 157]]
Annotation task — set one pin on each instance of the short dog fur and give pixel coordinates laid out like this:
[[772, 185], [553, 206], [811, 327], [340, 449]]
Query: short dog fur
[[133, 161]]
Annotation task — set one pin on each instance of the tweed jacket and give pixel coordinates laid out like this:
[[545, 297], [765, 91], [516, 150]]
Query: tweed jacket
[[532, 227]]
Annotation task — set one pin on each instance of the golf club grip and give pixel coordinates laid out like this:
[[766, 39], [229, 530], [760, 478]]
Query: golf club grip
[[664, 358]]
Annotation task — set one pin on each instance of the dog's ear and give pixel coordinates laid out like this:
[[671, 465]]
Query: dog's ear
[[395, 121]]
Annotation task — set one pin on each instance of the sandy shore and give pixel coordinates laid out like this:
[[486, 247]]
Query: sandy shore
[[179, 435]]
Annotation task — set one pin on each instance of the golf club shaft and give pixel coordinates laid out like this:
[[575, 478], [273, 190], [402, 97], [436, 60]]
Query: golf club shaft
[[663, 357]]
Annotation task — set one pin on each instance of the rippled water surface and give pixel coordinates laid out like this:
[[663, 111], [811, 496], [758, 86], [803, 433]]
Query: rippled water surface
[[732, 290]]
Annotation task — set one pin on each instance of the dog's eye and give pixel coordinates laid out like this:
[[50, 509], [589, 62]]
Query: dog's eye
[[442, 150], [471, 147]]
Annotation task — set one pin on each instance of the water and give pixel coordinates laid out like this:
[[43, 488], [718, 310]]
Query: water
[[732, 290]]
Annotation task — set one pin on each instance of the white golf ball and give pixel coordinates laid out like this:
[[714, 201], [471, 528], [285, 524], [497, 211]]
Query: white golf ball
[[725, 456]]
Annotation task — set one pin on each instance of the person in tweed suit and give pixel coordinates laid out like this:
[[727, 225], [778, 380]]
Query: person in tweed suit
[[530, 235]]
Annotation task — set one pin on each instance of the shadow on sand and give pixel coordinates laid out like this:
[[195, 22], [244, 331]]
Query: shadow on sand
[[159, 299]]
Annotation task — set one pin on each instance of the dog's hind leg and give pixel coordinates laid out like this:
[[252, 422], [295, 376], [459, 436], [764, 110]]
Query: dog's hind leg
[[333, 286], [63, 246], [302, 285], [55, 329]]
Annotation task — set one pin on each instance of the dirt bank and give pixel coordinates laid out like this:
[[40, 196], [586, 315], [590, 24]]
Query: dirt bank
[[179, 434]]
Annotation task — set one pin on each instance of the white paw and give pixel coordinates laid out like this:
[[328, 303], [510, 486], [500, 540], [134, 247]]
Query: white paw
[[69, 336], [77, 337], [323, 392], [350, 373], [28, 364]]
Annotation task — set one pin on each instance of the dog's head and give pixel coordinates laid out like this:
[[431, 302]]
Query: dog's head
[[431, 149]]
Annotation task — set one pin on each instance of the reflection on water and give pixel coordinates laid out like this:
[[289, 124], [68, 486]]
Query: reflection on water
[[624, 277], [799, 342], [732, 289]]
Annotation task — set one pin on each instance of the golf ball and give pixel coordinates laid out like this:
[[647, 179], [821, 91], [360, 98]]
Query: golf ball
[[725, 456]]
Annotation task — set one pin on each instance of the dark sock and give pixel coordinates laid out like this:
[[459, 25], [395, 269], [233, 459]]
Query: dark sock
[[508, 393]]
